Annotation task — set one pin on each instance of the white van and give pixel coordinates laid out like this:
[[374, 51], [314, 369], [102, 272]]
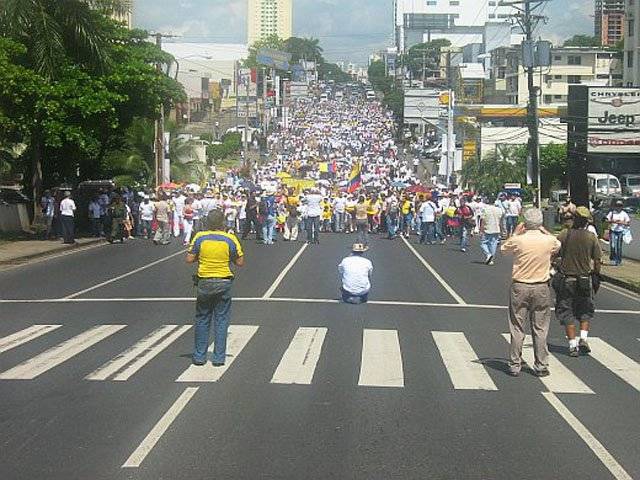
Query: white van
[[324, 97], [630, 184], [603, 184], [339, 96], [371, 95]]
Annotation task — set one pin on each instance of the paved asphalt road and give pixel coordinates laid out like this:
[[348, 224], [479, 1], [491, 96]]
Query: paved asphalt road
[[410, 386]]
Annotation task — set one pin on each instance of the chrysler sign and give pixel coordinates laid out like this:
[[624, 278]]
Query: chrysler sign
[[614, 120]]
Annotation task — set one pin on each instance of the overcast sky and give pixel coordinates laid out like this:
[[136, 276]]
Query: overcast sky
[[347, 29]]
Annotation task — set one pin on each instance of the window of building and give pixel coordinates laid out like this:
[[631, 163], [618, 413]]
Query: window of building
[[557, 77], [454, 3], [548, 99], [630, 59], [557, 97], [431, 3], [574, 79], [631, 30], [557, 58], [574, 60], [492, 15]]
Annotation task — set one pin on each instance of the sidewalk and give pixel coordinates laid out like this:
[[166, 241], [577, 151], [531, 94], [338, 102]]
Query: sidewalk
[[626, 275], [19, 251]]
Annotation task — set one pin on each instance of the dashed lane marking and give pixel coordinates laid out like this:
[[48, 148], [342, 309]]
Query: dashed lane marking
[[284, 272]]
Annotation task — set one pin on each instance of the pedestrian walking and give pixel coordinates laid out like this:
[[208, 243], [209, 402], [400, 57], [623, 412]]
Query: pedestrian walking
[[314, 211], [490, 228], [619, 224], [146, 217], [67, 217], [355, 276], [161, 209], [214, 250], [577, 280], [532, 248], [428, 213], [47, 204]]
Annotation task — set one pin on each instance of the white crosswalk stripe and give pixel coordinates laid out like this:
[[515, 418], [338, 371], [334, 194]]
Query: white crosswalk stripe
[[614, 360], [239, 336], [561, 380], [381, 364], [23, 336], [461, 362], [134, 358], [299, 361], [60, 353]]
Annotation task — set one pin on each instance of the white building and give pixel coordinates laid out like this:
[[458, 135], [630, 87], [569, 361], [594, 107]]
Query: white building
[[460, 21], [632, 44], [570, 66], [269, 17]]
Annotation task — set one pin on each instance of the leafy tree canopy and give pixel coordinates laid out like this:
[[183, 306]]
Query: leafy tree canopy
[[582, 41]]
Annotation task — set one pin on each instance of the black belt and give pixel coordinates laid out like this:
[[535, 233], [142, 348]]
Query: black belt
[[215, 278], [531, 283]]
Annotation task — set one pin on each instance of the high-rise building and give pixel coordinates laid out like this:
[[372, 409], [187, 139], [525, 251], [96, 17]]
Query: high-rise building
[[609, 21], [460, 21], [127, 17], [269, 17], [632, 44]]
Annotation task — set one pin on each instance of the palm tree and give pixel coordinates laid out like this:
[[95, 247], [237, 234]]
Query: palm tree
[[53, 30]]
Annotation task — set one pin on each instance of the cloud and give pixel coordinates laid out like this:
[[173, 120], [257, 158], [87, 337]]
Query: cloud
[[347, 29]]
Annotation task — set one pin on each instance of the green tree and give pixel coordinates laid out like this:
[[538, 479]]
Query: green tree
[[304, 49], [425, 54], [394, 100], [331, 71], [582, 41], [378, 77]]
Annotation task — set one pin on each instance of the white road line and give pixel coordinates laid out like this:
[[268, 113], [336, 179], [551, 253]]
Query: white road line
[[298, 363], [433, 272], [381, 363], [140, 453], [125, 275], [561, 380], [23, 336], [281, 300], [62, 352], [614, 360], [284, 272], [239, 336], [592, 442], [622, 292], [137, 356], [461, 362]]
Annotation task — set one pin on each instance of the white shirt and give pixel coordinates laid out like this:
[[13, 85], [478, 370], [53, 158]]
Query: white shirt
[[621, 216], [355, 273], [67, 207], [146, 211], [340, 205], [314, 207], [179, 204], [428, 211], [513, 208]]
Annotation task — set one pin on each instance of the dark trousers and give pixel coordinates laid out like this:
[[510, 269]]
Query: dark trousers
[[95, 226], [213, 305], [68, 228], [348, 297], [313, 228], [251, 220]]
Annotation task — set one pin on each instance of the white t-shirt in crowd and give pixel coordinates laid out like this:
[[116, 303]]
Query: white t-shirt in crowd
[[67, 207], [314, 205], [428, 211], [621, 216], [492, 217], [513, 208], [355, 274], [340, 205], [146, 211]]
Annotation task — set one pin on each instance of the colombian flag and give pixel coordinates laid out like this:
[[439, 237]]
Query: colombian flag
[[355, 178]]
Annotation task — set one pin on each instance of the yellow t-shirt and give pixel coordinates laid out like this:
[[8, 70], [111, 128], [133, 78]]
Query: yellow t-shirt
[[406, 207], [215, 250]]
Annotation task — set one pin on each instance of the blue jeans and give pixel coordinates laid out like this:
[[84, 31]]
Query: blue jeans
[[428, 232], [392, 224], [212, 304], [354, 299], [464, 237], [615, 247], [267, 229], [511, 223], [489, 243], [145, 228], [339, 221], [313, 228]]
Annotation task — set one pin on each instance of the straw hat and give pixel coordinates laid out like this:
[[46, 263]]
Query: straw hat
[[359, 248]]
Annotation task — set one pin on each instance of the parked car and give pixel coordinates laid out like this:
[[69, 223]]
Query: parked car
[[630, 184]]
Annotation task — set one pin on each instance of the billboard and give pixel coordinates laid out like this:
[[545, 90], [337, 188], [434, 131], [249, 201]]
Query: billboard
[[421, 105], [299, 89], [273, 58], [613, 120]]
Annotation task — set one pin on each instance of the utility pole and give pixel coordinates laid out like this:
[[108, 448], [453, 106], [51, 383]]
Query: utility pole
[[528, 21], [159, 127], [451, 148], [424, 69]]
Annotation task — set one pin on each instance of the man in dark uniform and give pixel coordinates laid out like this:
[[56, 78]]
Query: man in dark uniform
[[580, 260]]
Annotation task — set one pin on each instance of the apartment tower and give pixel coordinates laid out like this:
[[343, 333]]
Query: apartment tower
[[269, 17]]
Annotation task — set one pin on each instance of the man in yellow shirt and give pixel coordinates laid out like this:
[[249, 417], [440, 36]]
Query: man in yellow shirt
[[214, 250]]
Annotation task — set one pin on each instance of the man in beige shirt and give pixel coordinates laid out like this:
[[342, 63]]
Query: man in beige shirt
[[530, 301]]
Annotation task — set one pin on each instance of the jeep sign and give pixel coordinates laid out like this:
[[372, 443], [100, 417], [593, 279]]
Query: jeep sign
[[614, 120]]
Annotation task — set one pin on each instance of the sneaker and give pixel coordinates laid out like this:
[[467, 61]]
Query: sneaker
[[199, 363], [217, 364], [513, 373], [574, 352], [584, 347], [463, 250], [541, 373], [489, 260], [491, 264]]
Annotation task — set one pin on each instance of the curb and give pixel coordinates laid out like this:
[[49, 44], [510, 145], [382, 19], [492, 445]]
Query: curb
[[60, 249], [621, 283]]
